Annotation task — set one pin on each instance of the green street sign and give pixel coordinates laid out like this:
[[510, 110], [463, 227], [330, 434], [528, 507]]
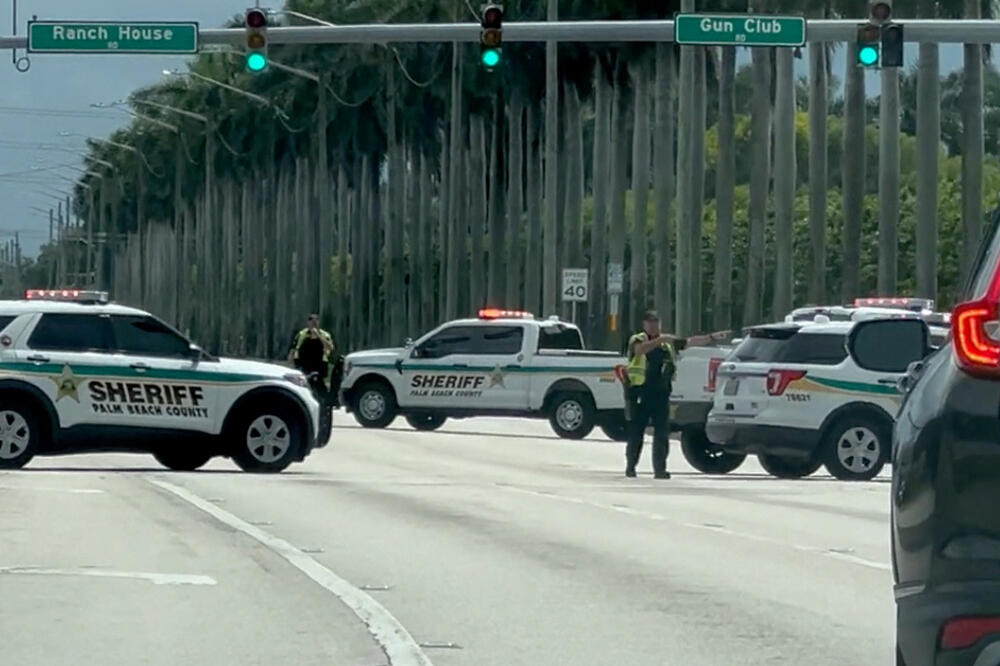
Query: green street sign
[[112, 37], [739, 29]]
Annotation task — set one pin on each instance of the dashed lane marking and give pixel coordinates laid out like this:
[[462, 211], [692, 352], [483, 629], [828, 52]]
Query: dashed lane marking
[[396, 641]]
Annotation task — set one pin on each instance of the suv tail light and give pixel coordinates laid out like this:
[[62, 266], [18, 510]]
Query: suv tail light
[[713, 373], [778, 380], [976, 351], [964, 632]]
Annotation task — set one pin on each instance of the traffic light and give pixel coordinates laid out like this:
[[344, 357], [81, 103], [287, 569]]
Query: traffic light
[[255, 22], [491, 37], [892, 45], [869, 38]]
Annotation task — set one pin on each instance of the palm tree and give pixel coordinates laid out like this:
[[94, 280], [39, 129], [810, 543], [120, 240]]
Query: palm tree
[[663, 168], [928, 142], [725, 183], [818, 167], [640, 183], [784, 180], [760, 170], [972, 144]]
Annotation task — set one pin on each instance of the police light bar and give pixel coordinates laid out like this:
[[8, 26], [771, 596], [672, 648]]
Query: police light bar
[[495, 313], [907, 303], [70, 295]]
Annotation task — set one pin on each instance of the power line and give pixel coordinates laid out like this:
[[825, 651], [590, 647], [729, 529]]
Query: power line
[[68, 113]]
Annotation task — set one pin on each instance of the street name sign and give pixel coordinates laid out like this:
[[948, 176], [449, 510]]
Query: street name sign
[[739, 29], [112, 37], [574, 285]]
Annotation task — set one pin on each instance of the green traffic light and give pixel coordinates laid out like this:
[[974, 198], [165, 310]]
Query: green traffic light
[[868, 55], [491, 57], [256, 62]]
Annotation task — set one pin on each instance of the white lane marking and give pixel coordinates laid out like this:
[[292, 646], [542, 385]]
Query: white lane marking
[[846, 557], [154, 578], [76, 491], [396, 641]]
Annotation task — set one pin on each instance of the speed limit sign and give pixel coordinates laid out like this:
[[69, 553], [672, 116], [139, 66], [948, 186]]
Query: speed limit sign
[[574, 285]]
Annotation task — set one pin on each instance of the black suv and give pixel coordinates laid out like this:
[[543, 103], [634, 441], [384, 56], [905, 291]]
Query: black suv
[[946, 474]]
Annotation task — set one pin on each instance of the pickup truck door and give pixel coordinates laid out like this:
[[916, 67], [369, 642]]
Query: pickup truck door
[[476, 367]]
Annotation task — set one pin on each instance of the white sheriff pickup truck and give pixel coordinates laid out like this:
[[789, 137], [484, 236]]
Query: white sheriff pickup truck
[[507, 363], [503, 363]]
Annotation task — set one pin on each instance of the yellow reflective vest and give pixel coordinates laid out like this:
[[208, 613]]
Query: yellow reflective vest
[[636, 369], [328, 346]]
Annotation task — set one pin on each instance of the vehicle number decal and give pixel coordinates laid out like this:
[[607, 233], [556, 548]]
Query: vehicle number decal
[[799, 397]]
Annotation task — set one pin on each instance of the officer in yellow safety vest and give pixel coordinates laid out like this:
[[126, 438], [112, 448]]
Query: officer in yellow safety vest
[[312, 350], [650, 373]]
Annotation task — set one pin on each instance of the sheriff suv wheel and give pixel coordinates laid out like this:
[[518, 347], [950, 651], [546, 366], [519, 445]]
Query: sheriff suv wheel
[[266, 437], [20, 433]]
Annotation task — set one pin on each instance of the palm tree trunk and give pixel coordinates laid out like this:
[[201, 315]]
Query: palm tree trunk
[[533, 260], [598, 233], [477, 211], [888, 182], [551, 238], [619, 166], [663, 157], [343, 247], [725, 185], [454, 157], [697, 174], [818, 168], [394, 282], [442, 227], [853, 173], [497, 265], [928, 149], [574, 163], [425, 241], [972, 147], [784, 180], [640, 185], [515, 196], [760, 171]]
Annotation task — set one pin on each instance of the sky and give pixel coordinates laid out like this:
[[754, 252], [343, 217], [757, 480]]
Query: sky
[[55, 95]]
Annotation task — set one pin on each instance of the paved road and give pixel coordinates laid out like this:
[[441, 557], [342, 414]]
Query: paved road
[[489, 543]]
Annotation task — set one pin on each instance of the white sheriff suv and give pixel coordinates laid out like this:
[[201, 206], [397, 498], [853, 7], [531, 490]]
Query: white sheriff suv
[[502, 363], [79, 374], [792, 395]]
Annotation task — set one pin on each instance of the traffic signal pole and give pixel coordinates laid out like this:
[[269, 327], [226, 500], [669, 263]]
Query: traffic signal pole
[[821, 30]]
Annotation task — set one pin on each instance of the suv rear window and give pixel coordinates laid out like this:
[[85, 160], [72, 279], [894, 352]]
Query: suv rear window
[[762, 345], [788, 345], [815, 349]]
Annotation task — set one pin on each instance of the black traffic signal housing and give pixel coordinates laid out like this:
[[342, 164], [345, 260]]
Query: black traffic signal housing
[[869, 40], [892, 45], [255, 22], [491, 36]]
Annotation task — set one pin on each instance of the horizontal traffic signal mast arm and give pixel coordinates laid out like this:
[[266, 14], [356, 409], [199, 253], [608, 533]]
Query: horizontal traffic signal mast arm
[[822, 30]]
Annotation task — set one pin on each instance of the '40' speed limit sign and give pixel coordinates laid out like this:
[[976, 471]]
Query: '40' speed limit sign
[[574, 284]]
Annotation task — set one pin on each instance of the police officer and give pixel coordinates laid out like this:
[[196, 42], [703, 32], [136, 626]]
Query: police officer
[[650, 372], [312, 350]]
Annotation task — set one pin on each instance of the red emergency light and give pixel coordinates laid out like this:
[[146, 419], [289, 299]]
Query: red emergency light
[[70, 295], [496, 313], [908, 303]]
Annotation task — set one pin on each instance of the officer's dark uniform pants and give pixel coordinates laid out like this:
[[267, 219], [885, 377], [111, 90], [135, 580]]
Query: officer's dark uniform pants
[[649, 407]]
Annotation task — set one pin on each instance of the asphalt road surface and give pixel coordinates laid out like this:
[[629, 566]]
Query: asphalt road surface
[[489, 543]]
